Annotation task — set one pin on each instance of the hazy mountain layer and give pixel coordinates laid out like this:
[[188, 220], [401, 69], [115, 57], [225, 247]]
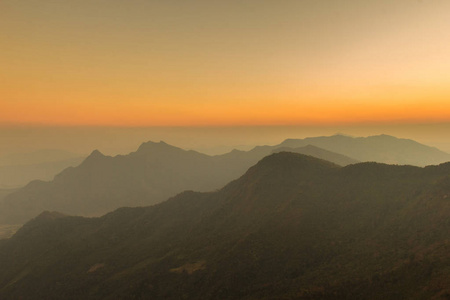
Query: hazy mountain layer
[[157, 171], [6, 192], [380, 148], [12, 176], [17, 170], [150, 175], [293, 227], [317, 152]]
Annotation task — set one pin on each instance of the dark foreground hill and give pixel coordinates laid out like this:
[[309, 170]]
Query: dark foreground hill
[[293, 227]]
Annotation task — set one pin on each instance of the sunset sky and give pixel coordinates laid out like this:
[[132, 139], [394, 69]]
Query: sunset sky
[[224, 63]]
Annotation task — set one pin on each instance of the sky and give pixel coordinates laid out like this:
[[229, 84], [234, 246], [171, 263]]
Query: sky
[[231, 64], [184, 63]]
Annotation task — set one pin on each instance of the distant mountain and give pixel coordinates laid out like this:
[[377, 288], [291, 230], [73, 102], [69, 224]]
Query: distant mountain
[[6, 192], [157, 171], [379, 148], [150, 175], [12, 176], [317, 152], [18, 169], [101, 183], [292, 227]]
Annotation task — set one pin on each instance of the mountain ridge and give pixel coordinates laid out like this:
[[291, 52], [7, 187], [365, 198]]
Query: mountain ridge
[[362, 231], [373, 148], [151, 174]]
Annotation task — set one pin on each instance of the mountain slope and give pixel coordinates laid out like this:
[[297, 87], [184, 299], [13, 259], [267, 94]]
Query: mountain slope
[[293, 227], [13, 176], [380, 148], [18, 169], [157, 171], [101, 183], [317, 152], [150, 175]]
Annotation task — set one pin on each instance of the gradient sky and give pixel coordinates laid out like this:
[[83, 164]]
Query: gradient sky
[[203, 63]]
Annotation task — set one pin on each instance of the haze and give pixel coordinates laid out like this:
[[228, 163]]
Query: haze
[[209, 140]]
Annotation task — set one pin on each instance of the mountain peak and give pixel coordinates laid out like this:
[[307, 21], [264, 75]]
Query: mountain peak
[[321, 153], [44, 217], [150, 147], [294, 159], [49, 215], [93, 157], [312, 147], [96, 153]]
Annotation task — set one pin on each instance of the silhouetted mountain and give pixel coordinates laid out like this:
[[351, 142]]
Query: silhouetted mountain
[[292, 227], [379, 148], [346, 150], [317, 152], [150, 175], [18, 169], [101, 183], [13, 176], [157, 171], [6, 192]]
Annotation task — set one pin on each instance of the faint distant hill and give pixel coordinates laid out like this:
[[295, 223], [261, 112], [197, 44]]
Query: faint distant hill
[[101, 183], [292, 227], [157, 171], [317, 152], [150, 175], [379, 148], [19, 175], [16, 170], [6, 192]]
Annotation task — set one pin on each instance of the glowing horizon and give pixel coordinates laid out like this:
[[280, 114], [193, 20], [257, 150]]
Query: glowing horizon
[[224, 64]]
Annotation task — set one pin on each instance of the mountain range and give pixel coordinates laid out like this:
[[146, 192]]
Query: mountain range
[[292, 227], [17, 170], [157, 171], [379, 148]]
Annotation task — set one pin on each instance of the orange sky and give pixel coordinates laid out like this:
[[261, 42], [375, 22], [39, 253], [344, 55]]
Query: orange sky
[[147, 63]]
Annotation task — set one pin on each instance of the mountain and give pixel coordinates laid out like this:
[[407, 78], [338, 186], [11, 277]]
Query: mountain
[[344, 150], [317, 152], [102, 183], [7, 231], [157, 171], [13, 176], [18, 169], [150, 175], [380, 148], [6, 192], [292, 227]]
